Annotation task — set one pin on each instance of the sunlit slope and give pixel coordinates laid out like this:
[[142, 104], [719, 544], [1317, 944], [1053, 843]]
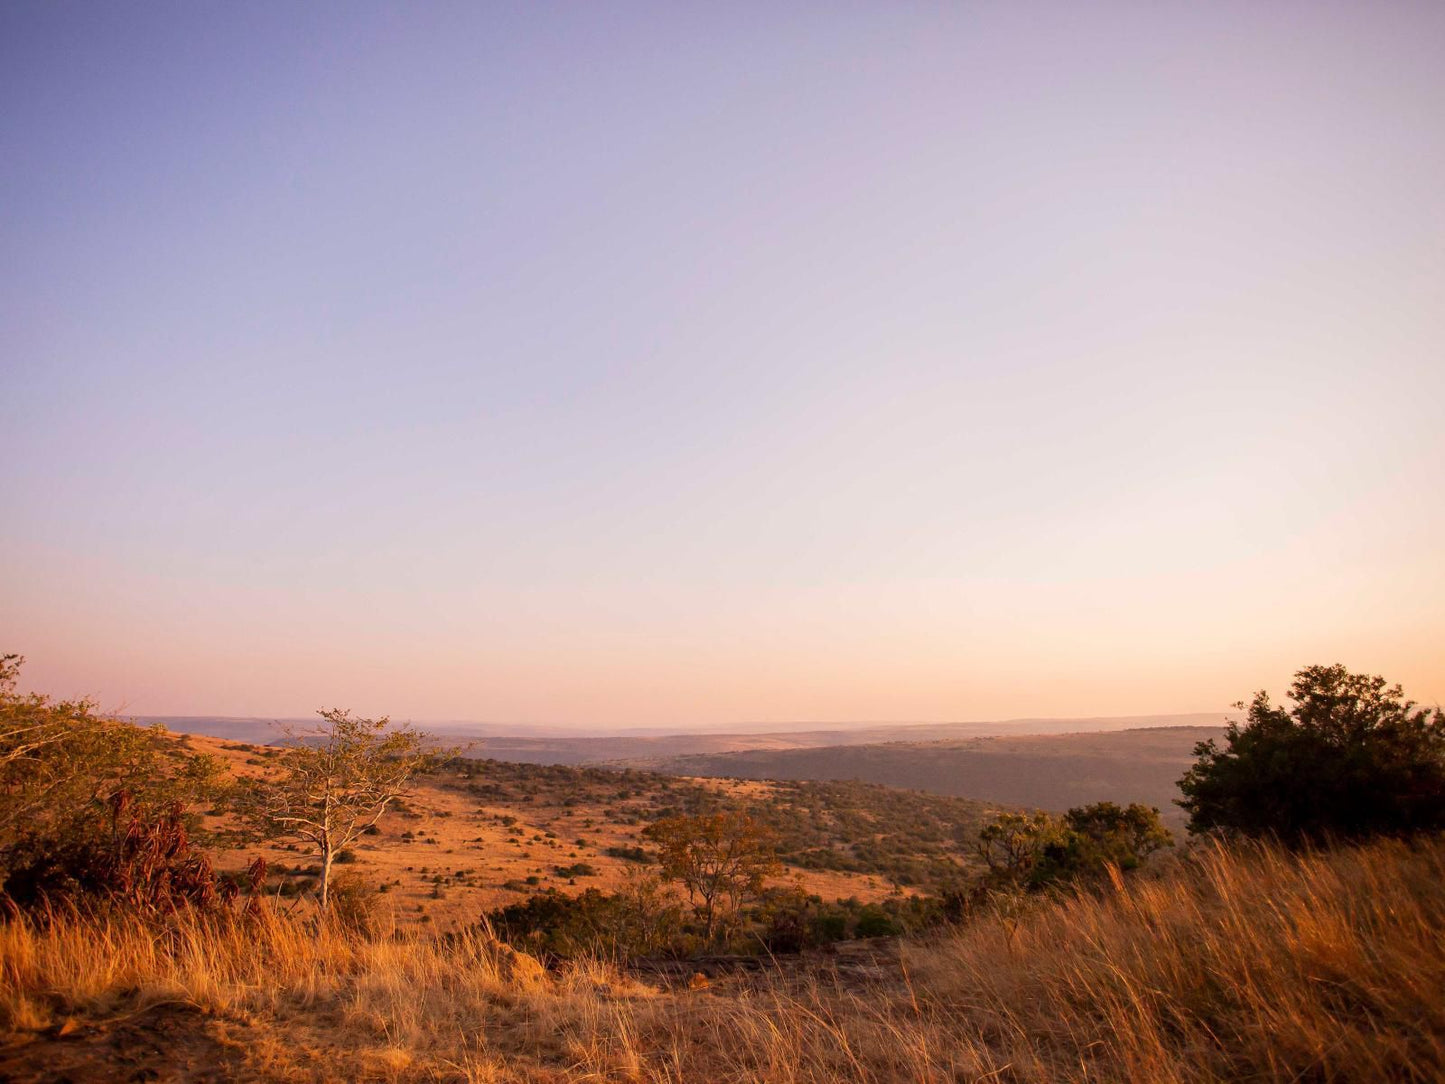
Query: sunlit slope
[[483, 834]]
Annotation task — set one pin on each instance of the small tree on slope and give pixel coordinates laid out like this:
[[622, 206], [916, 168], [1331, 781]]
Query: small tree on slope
[[721, 859], [336, 781]]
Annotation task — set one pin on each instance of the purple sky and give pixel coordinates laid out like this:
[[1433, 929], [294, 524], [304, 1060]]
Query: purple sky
[[605, 364]]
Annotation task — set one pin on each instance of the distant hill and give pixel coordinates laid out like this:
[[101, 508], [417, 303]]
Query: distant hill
[[228, 728], [1053, 771], [550, 745]]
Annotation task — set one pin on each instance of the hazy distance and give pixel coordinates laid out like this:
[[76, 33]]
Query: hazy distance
[[650, 746]]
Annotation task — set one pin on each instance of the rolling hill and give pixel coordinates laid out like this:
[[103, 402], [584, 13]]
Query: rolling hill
[[563, 745], [1045, 771]]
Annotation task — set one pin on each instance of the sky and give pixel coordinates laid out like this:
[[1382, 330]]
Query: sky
[[678, 364]]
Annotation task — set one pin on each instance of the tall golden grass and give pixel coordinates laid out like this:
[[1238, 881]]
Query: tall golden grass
[[1246, 964]]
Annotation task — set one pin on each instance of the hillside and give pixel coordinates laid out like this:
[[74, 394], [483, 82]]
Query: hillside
[[1054, 771], [484, 834]]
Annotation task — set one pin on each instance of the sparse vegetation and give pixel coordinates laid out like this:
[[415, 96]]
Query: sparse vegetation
[[1048, 947], [918, 841], [577, 869]]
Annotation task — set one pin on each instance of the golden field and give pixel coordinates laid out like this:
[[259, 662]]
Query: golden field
[[1225, 965], [485, 846]]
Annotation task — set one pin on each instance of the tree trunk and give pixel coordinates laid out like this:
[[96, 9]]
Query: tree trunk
[[325, 876]]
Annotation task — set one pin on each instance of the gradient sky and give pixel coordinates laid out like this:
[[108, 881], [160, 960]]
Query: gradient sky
[[666, 364]]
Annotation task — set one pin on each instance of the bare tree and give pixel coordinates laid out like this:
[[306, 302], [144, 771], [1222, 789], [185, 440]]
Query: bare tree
[[335, 781]]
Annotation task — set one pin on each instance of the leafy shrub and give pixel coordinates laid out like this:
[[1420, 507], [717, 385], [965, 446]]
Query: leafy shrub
[[577, 869], [628, 854], [639, 920], [1037, 849], [137, 858], [1351, 758], [873, 921], [82, 797]]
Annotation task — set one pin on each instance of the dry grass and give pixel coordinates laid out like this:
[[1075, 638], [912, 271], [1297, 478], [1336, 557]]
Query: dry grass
[[461, 832], [1250, 965]]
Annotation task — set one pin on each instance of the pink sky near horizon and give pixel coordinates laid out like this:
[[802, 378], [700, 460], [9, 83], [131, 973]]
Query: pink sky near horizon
[[664, 366]]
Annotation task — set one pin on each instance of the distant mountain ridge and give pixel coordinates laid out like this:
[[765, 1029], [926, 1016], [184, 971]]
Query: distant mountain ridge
[[1044, 771], [548, 745]]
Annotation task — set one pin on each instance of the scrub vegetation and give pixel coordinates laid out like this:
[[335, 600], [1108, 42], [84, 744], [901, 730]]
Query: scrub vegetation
[[137, 942]]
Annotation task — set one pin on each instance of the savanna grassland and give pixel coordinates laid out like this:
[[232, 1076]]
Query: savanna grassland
[[521, 923], [1248, 963], [478, 835]]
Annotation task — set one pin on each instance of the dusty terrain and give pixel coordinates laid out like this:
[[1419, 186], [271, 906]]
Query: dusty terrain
[[463, 846], [467, 844]]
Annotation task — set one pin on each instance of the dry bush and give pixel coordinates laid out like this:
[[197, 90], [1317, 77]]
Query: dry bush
[[1243, 965]]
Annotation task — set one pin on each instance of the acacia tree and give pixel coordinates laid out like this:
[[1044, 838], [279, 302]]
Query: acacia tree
[[335, 781], [720, 859], [1349, 758], [1012, 843], [1107, 833], [1039, 849]]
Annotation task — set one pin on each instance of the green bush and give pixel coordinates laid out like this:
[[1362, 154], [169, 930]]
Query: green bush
[[1351, 758], [577, 869], [1035, 850], [873, 921], [616, 925]]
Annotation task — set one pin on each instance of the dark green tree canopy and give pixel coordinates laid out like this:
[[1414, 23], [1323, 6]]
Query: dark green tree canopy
[[1038, 849], [1349, 758]]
